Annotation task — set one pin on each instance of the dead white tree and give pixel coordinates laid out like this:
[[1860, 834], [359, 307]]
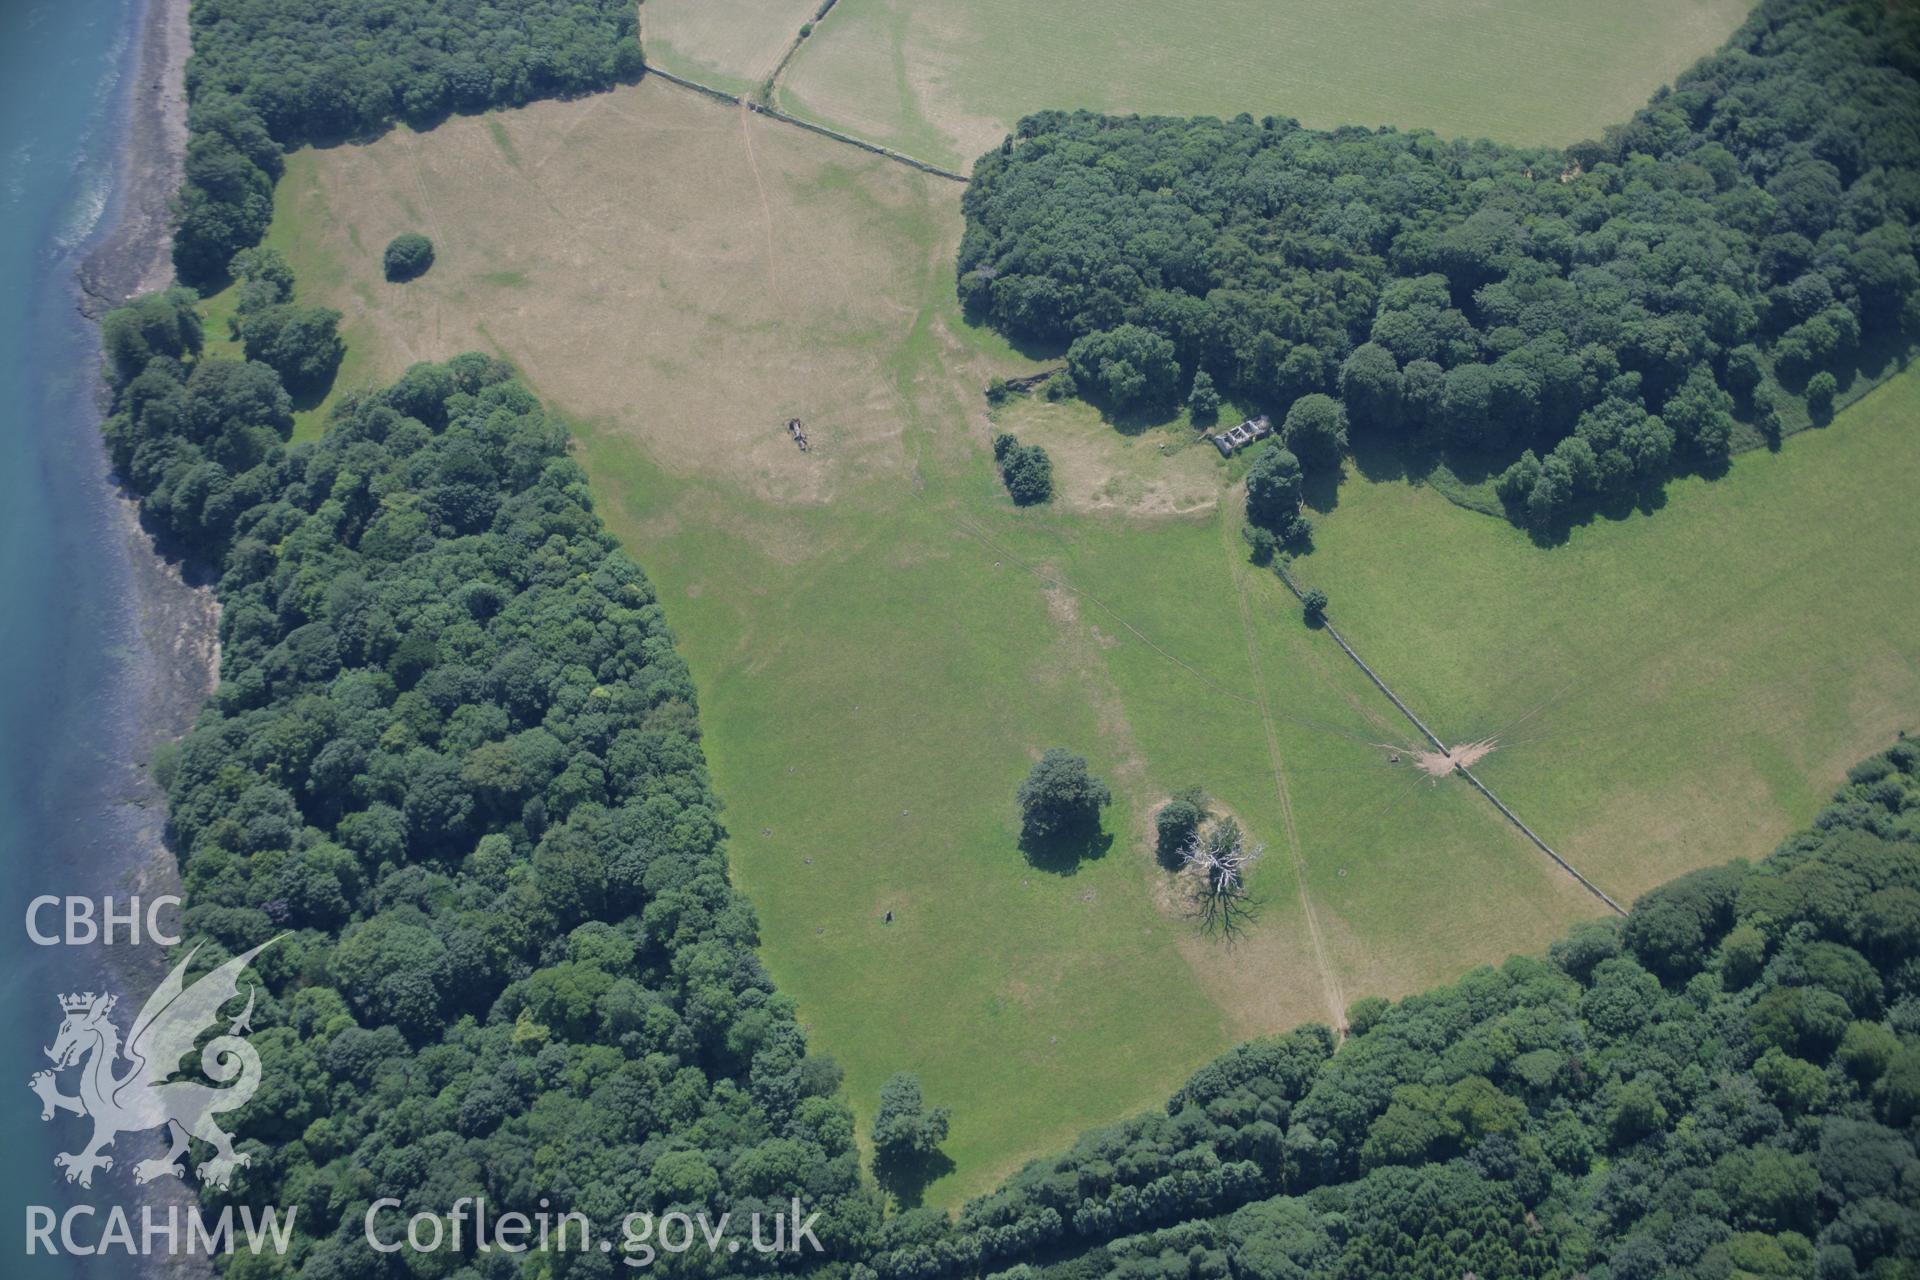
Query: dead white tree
[[1218, 858]]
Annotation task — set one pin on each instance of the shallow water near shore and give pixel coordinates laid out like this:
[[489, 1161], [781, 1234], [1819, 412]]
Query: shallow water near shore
[[77, 667]]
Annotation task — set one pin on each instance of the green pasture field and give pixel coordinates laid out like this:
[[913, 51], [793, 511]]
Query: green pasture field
[[883, 643], [317, 276], [1672, 688], [946, 81]]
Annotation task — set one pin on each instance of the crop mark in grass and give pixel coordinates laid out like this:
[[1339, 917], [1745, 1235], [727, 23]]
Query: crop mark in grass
[[498, 132], [1050, 579], [766, 208], [1329, 980]]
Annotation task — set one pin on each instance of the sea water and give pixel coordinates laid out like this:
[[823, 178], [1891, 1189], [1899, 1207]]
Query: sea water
[[69, 626]]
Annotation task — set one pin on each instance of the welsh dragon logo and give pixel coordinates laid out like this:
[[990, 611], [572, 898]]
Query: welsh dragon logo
[[145, 1096]]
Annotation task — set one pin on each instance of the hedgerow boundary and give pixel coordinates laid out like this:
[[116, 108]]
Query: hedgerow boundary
[[1326, 624], [793, 47], [740, 100]]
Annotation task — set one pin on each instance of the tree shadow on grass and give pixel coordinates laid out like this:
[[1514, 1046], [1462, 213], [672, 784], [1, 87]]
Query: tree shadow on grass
[[1381, 457], [313, 392], [1644, 499], [1320, 487], [1139, 421], [1062, 852], [907, 1177], [1225, 916], [1039, 350]]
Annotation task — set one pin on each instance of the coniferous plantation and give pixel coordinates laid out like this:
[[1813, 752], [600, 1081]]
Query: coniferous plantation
[[1583, 322]]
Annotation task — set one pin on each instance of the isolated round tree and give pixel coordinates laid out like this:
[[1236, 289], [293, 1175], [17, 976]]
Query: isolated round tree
[[904, 1126], [1060, 796], [408, 256], [1316, 428], [1273, 488], [1179, 818], [1029, 474]]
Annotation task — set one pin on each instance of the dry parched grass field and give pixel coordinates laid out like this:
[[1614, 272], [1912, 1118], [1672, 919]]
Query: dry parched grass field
[[729, 44], [645, 256], [883, 643], [946, 81]]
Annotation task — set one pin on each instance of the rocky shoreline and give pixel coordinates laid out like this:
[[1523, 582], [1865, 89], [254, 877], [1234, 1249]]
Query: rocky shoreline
[[176, 612], [135, 255], [173, 633]]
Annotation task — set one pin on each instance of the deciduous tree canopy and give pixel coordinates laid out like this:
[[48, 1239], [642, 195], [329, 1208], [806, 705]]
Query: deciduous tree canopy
[[407, 255], [270, 75], [454, 757], [1060, 795], [1727, 1086], [1609, 307]]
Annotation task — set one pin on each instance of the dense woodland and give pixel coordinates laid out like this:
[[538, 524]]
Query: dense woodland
[[267, 76], [1591, 320], [454, 756], [1726, 1086]]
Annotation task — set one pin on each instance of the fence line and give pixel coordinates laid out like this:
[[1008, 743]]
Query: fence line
[[1461, 769], [738, 100], [694, 85], [1545, 848], [800, 38], [878, 150]]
